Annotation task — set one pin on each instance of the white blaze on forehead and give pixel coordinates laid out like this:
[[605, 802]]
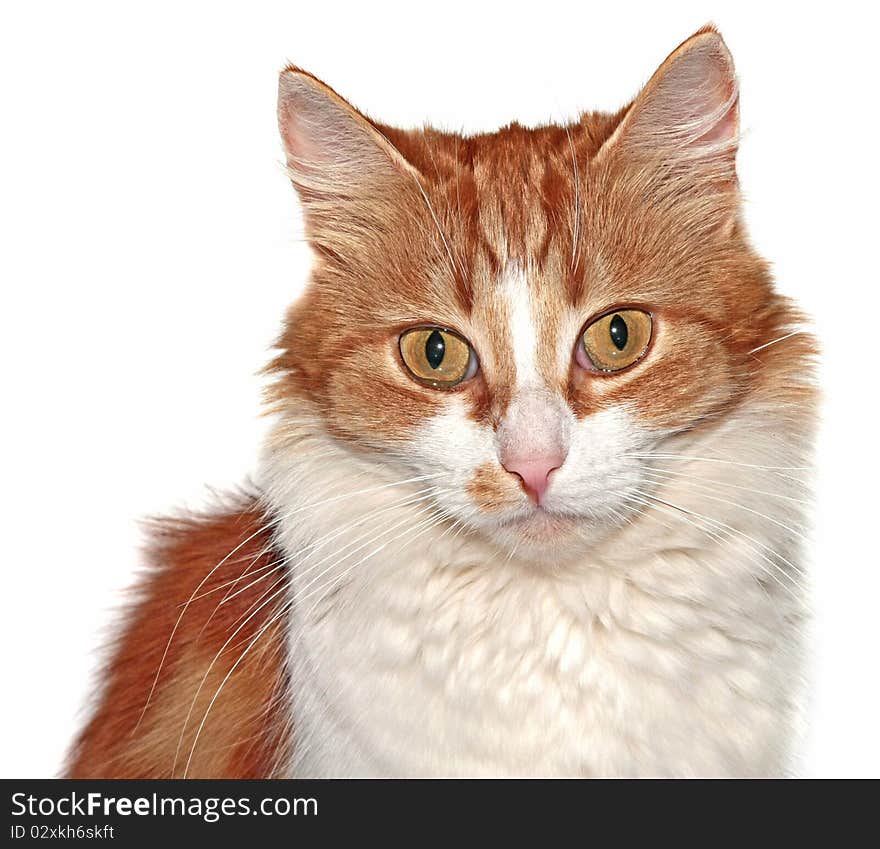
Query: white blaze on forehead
[[536, 421], [523, 330]]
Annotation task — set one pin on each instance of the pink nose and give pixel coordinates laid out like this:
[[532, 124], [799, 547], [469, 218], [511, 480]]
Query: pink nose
[[534, 472]]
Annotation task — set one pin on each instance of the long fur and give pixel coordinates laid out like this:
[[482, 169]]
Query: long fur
[[391, 601]]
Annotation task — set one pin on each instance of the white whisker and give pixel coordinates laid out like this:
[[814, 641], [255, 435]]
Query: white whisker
[[723, 525], [775, 341], [706, 490]]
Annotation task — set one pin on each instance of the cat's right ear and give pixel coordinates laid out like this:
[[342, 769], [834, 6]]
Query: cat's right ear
[[335, 155]]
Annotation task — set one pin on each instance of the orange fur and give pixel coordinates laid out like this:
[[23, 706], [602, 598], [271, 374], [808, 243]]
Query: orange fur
[[492, 489], [246, 733]]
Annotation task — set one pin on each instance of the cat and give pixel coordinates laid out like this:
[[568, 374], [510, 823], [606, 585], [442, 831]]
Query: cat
[[534, 496]]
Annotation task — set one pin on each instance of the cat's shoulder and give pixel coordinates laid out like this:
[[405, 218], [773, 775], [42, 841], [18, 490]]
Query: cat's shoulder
[[199, 664]]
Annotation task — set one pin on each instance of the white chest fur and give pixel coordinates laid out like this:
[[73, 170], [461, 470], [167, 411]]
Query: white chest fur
[[416, 651], [432, 657]]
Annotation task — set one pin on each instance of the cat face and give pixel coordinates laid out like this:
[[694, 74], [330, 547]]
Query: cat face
[[524, 315]]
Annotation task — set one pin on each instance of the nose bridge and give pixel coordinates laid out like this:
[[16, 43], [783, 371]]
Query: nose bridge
[[534, 425], [533, 432]]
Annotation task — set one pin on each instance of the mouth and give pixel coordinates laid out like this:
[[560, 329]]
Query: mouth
[[540, 525]]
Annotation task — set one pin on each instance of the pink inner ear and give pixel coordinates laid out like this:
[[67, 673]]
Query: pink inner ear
[[305, 119], [331, 148], [691, 102], [295, 141], [710, 87], [726, 129], [697, 93]]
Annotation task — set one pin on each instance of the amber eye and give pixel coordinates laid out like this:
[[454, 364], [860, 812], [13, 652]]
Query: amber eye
[[618, 339], [437, 357]]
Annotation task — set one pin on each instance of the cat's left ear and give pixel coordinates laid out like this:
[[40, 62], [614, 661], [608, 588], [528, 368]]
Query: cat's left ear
[[687, 116]]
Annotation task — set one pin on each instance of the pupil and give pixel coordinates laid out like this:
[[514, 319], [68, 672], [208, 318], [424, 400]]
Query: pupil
[[435, 349], [619, 332]]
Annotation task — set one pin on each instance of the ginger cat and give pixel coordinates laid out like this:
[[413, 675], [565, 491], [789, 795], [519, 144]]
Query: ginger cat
[[532, 502]]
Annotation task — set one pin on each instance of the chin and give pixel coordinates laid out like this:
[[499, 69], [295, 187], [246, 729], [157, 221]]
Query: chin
[[548, 538]]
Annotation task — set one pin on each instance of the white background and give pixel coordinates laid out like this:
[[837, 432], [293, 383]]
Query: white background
[[149, 243]]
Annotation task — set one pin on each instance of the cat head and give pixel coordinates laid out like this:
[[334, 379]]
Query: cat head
[[523, 316]]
